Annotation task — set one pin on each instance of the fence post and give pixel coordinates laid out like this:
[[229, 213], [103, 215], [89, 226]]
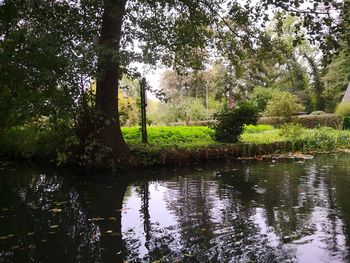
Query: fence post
[[143, 110]]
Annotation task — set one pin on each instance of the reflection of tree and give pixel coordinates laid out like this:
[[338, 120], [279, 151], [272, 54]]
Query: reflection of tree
[[218, 217], [145, 212], [192, 201], [56, 218]]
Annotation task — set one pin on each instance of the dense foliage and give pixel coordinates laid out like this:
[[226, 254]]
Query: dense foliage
[[52, 51], [283, 104], [307, 121], [230, 125]]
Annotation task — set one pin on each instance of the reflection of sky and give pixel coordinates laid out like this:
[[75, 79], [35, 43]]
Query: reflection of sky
[[158, 206], [160, 217], [315, 247], [315, 235]]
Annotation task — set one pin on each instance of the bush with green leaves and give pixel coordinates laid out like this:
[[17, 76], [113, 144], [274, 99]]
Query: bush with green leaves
[[343, 112], [261, 96], [283, 104], [229, 126], [291, 131]]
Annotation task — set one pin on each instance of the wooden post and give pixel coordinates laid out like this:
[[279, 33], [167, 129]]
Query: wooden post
[[143, 110]]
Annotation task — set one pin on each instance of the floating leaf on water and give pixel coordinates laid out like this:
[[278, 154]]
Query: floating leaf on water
[[14, 247], [31, 246], [115, 234], [119, 252], [4, 209], [30, 233], [10, 235], [109, 231], [56, 210], [123, 209], [53, 226], [113, 218], [3, 237], [44, 240], [97, 219]]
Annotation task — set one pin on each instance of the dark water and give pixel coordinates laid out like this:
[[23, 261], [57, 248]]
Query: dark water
[[252, 211]]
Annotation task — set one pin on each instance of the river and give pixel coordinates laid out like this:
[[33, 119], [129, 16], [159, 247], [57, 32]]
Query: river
[[238, 211]]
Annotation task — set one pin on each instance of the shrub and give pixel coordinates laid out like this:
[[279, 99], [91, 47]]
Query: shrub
[[229, 125], [35, 140], [307, 121], [291, 131], [343, 110], [261, 96], [283, 104], [346, 123]]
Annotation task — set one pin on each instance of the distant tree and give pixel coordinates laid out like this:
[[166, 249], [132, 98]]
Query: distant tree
[[283, 104], [336, 80], [261, 96]]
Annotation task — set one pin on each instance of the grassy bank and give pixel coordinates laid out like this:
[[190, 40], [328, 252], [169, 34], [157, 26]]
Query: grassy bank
[[184, 144], [255, 141]]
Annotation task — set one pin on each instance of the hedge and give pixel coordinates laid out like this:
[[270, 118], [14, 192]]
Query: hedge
[[308, 121]]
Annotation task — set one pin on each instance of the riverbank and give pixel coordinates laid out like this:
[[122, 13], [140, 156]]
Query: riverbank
[[154, 156], [185, 145]]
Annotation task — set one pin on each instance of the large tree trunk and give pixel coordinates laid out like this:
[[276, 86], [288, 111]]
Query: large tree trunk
[[108, 75]]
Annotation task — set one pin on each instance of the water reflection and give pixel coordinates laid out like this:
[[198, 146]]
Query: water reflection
[[258, 211]]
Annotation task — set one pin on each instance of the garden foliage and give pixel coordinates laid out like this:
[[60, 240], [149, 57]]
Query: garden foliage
[[307, 121], [230, 124], [283, 104]]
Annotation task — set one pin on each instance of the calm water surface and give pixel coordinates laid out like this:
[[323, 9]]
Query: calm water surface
[[243, 211]]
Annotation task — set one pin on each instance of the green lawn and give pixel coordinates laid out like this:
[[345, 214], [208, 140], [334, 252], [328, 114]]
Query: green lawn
[[262, 137], [165, 136], [196, 136]]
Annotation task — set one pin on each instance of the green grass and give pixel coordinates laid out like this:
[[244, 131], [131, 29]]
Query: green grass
[[320, 139], [33, 141], [167, 136], [257, 128], [197, 136], [267, 136]]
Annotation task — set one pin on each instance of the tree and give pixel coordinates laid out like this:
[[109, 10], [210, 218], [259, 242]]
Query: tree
[[283, 104], [44, 67], [108, 74], [171, 32], [318, 86]]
